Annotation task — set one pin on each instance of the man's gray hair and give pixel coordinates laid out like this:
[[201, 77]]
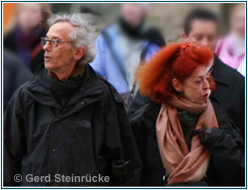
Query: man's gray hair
[[82, 36]]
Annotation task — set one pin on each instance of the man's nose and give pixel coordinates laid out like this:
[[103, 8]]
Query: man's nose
[[47, 47], [205, 42]]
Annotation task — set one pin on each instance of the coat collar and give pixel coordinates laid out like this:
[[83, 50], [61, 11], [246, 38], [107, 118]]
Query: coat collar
[[90, 89], [150, 115], [219, 74]]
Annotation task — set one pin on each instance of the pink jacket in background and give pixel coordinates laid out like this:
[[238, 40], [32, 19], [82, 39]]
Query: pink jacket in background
[[231, 50]]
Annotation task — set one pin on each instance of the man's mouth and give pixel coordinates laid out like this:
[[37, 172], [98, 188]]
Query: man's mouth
[[47, 58]]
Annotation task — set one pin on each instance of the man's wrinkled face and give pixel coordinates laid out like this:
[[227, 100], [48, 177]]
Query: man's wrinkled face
[[202, 32], [61, 56]]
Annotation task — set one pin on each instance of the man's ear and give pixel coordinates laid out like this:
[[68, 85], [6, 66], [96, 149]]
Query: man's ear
[[79, 53], [185, 38], [177, 85]]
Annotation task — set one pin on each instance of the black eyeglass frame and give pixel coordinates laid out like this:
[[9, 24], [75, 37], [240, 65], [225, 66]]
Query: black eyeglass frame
[[53, 42]]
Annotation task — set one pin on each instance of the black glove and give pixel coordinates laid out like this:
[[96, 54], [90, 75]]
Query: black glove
[[208, 136]]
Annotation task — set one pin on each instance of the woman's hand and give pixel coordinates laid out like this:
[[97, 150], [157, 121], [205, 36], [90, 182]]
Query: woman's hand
[[208, 136], [226, 150]]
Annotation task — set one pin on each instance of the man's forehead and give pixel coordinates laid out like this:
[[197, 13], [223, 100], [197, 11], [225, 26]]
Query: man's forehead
[[201, 24], [60, 30]]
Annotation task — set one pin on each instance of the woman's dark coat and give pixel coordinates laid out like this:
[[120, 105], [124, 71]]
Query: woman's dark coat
[[227, 164], [91, 135]]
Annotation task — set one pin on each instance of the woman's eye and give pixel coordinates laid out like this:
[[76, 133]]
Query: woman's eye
[[198, 82]]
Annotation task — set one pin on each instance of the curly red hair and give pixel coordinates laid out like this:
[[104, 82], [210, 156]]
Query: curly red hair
[[174, 61]]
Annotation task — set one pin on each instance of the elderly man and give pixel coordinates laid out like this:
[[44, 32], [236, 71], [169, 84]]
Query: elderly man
[[123, 45], [67, 126]]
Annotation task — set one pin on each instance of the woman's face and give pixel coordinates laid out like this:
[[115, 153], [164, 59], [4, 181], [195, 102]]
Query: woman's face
[[238, 22], [29, 15], [196, 88]]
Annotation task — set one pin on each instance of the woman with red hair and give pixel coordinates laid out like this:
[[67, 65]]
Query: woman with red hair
[[184, 138]]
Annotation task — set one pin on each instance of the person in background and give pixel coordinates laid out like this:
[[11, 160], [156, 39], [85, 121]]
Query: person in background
[[242, 67], [123, 45], [57, 124], [24, 38], [184, 138], [231, 49], [15, 74], [201, 27]]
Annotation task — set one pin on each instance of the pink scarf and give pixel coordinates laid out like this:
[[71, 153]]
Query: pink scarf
[[181, 164]]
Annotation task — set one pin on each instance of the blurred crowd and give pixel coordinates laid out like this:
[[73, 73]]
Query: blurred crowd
[[22, 38], [78, 105]]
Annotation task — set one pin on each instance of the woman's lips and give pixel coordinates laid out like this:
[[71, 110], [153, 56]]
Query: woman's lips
[[205, 96]]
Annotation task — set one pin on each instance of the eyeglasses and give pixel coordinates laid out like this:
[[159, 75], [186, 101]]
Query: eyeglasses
[[53, 42]]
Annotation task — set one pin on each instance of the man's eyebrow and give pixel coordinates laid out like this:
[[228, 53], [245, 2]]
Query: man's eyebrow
[[53, 37]]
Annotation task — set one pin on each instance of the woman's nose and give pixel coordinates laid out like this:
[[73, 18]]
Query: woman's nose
[[206, 85]]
